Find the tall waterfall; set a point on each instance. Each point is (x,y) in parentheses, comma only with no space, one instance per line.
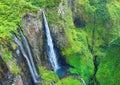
(25,42)
(30,63)
(50,48)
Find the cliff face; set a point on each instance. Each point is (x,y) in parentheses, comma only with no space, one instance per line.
(93,26)
(34,32)
(71,41)
(83,31)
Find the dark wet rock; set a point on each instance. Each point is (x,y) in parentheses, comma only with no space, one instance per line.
(34,32)
(24,77)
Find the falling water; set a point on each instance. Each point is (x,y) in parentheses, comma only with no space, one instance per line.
(25,42)
(19,43)
(51,52)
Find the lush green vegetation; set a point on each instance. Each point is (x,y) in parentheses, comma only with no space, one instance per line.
(76,52)
(44,3)
(10,16)
(102,28)
(50,77)
(108,71)
(99,36)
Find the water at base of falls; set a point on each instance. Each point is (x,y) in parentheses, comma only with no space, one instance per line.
(61,72)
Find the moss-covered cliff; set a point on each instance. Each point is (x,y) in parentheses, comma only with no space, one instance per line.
(86,32)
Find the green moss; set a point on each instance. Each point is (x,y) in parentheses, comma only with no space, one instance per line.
(102,16)
(49,77)
(108,72)
(78,55)
(44,3)
(14,69)
(113,8)
(10,61)
(52,18)
(10,15)
(76,52)
(7,55)
(69,81)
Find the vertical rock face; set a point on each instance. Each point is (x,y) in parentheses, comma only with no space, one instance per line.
(24,72)
(34,33)
(57,28)
(59,36)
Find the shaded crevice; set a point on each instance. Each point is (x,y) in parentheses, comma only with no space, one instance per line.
(95,64)
(93,79)
(77,19)
(78,22)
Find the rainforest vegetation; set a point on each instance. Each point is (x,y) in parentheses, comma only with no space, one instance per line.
(85,33)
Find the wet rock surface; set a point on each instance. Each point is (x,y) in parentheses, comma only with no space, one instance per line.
(35,34)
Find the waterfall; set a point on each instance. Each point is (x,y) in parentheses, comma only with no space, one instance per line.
(25,42)
(50,47)
(31,68)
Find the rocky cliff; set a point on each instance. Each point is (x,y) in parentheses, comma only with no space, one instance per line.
(83,32)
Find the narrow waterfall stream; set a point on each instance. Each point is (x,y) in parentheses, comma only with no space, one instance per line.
(58,63)
(25,42)
(30,63)
(50,47)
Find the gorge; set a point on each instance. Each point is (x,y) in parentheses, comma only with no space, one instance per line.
(59,42)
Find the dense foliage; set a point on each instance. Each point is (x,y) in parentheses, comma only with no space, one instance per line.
(44,3)
(109,66)
(10,16)
(97,36)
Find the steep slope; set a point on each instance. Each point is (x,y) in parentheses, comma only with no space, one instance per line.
(86,32)
(108,72)
(100,21)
